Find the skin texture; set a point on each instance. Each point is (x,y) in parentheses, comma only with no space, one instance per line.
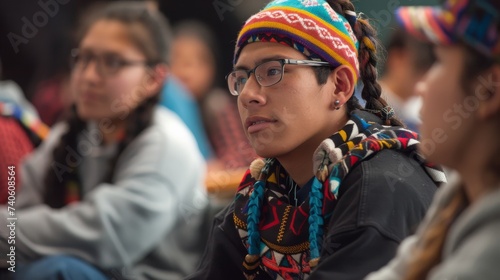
(112,97)
(460,125)
(442,92)
(298,113)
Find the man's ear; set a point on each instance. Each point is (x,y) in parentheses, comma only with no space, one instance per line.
(343,78)
(490,99)
(155,78)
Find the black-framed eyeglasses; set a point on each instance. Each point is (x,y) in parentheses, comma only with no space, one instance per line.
(267,74)
(107,64)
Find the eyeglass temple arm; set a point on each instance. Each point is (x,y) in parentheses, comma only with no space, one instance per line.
(305,62)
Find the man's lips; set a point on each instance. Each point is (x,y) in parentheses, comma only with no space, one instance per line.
(255,124)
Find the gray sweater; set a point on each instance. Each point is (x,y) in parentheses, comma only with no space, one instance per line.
(472,247)
(146,225)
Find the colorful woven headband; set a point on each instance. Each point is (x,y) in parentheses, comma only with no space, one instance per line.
(310,26)
(474,22)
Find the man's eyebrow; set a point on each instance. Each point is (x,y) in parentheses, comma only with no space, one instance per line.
(258,62)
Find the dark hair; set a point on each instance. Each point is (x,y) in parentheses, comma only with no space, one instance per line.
(368,65)
(150,32)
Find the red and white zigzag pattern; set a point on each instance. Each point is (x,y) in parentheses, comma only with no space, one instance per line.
(309,26)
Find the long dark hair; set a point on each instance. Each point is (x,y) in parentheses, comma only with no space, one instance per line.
(150,32)
(368,59)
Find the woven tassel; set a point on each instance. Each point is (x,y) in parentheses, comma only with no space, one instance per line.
(313,263)
(256,168)
(259,170)
(250,265)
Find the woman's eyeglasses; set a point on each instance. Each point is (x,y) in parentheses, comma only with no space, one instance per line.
(267,74)
(107,64)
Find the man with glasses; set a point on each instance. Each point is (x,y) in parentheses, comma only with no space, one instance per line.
(339,185)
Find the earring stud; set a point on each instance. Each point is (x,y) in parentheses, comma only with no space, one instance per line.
(336,103)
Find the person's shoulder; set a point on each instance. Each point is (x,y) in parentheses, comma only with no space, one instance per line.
(482,218)
(169,131)
(391,192)
(472,249)
(166,149)
(167,119)
(168,127)
(396,172)
(222,214)
(167,137)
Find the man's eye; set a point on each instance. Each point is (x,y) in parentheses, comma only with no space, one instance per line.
(273,71)
(240,77)
(241,80)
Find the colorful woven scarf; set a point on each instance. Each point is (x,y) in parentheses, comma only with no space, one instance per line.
(285,240)
(310,26)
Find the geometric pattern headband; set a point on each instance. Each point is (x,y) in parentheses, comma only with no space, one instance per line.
(473,22)
(311,26)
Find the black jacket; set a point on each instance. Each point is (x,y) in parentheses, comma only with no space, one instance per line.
(381,201)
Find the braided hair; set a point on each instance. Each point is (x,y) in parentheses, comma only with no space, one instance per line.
(367,56)
(150,32)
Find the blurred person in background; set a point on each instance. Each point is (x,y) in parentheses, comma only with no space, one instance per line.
(458,238)
(407,61)
(21,130)
(117,189)
(194,59)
